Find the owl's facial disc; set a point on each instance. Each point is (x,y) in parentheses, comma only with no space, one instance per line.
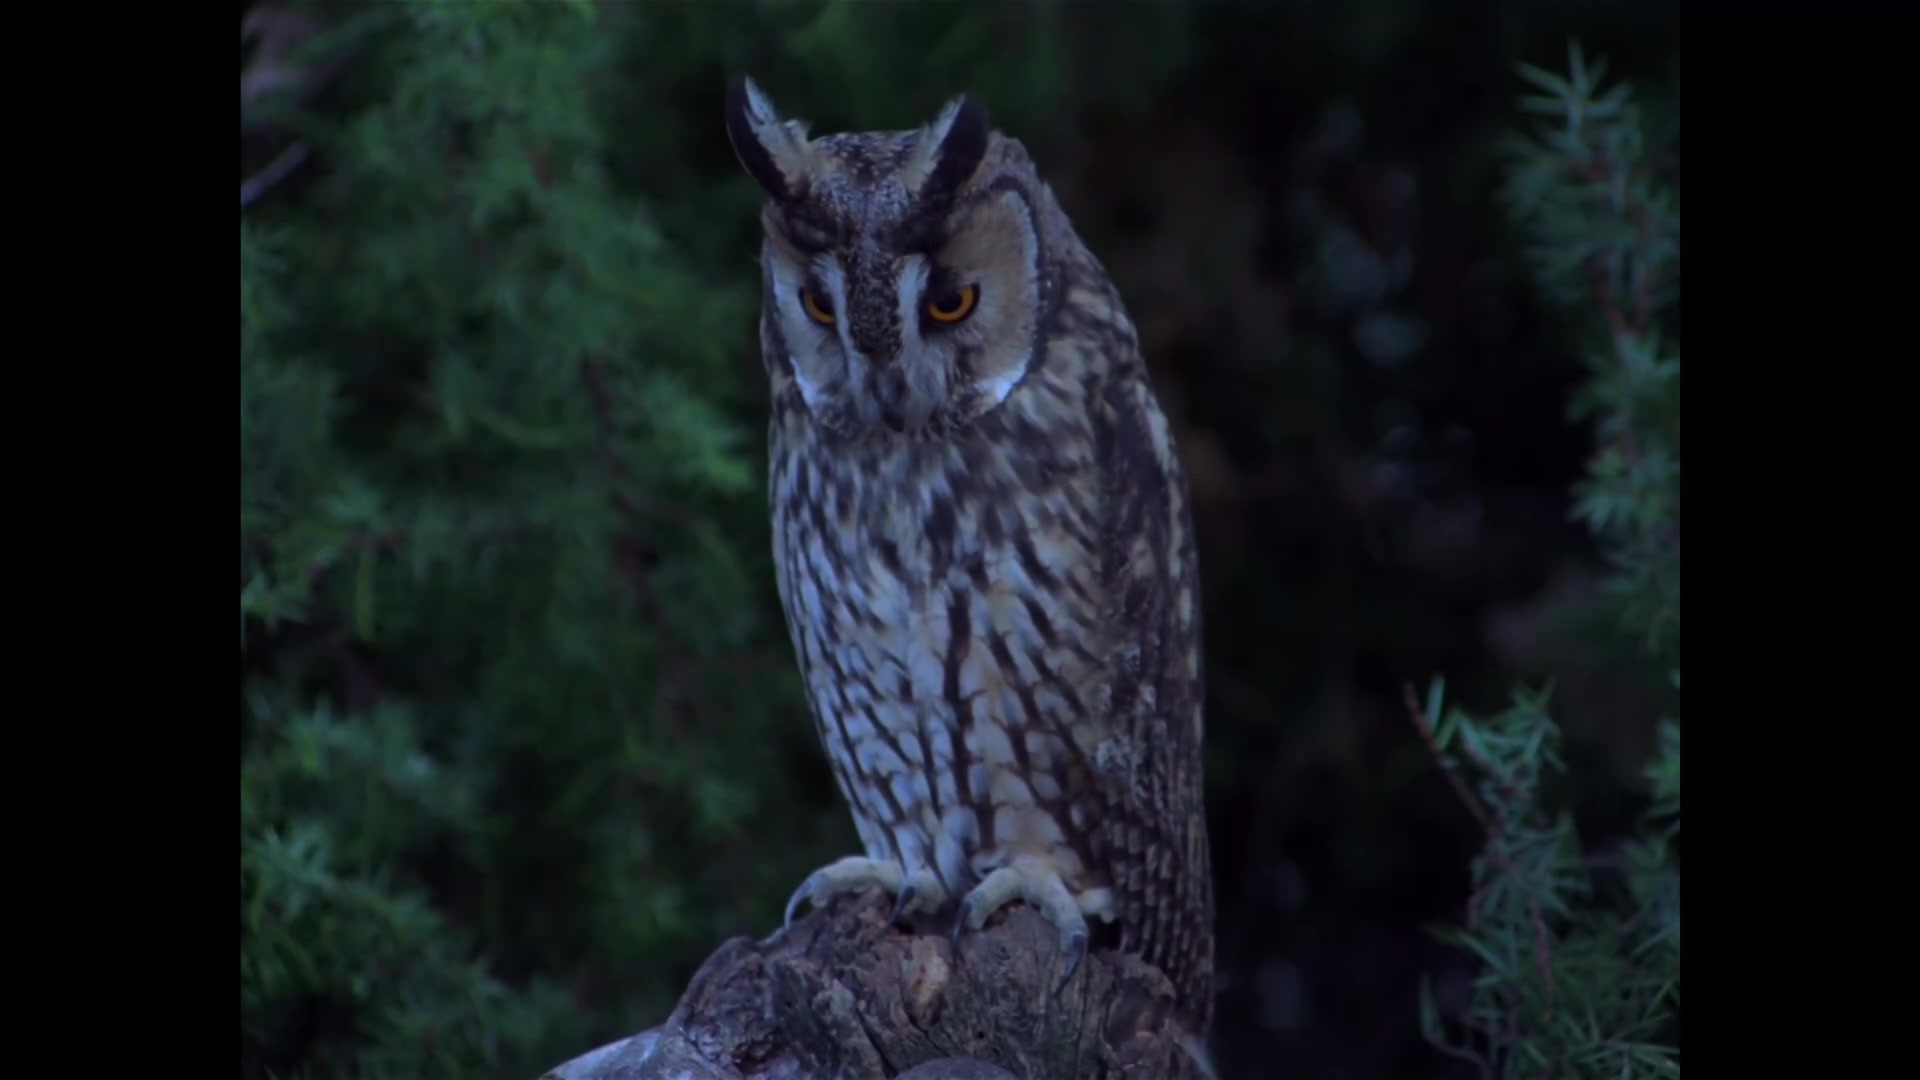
(854,315)
(904,267)
(934,335)
(993,244)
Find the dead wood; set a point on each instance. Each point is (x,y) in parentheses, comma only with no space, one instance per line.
(843,996)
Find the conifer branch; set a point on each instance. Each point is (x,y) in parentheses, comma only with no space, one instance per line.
(281,167)
(1497,842)
(1603,241)
(629,554)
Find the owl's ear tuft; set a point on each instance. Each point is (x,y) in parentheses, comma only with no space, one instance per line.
(775,153)
(950,150)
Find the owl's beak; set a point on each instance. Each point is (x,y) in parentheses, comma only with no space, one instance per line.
(900,405)
(892,394)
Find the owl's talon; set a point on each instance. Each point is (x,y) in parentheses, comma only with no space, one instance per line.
(1075,945)
(1036,882)
(793,902)
(907,896)
(851,874)
(960,921)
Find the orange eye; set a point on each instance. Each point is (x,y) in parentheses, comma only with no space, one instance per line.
(951,307)
(816,311)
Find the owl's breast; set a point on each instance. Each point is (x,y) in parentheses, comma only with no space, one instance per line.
(966,598)
(945,632)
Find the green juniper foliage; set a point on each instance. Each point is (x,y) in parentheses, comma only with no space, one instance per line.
(484,465)
(1580,957)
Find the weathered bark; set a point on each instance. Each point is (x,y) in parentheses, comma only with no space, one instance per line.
(843,996)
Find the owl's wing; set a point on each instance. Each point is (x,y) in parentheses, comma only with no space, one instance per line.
(1149,768)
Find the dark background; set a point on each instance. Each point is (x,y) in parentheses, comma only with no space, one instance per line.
(566,756)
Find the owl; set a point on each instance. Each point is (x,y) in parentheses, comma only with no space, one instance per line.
(982,542)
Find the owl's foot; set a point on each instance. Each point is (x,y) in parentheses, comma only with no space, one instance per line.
(918,891)
(1036,882)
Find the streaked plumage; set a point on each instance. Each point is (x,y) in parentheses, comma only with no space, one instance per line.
(982,540)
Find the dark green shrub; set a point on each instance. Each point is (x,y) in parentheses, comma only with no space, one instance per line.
(1580,957)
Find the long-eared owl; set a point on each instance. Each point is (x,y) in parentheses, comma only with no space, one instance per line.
(982,541)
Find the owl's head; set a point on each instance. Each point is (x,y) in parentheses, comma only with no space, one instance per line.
(907,273)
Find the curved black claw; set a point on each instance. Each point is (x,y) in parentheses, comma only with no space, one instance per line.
(907,893)
(1076,952)
(793,902)
(960,923)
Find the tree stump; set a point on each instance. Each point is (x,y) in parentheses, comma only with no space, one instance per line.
(841,995)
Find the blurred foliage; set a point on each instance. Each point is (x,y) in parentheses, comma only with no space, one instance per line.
(1581,972)
(521,739)
(521,735)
